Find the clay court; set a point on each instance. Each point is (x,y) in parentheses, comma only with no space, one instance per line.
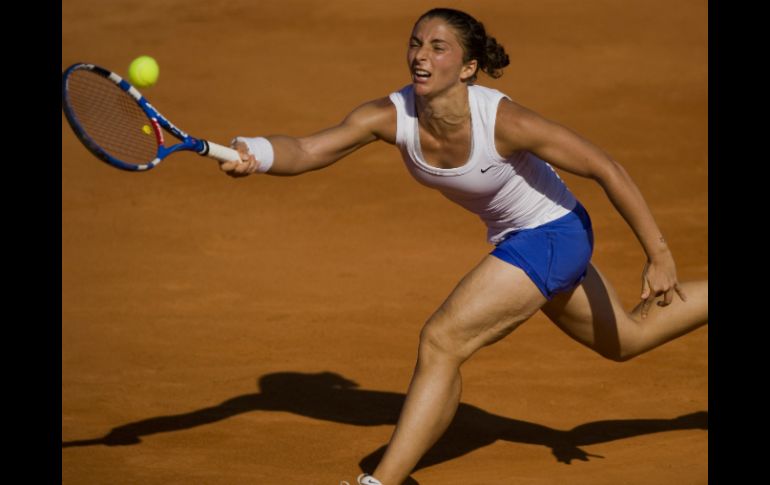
(263,330)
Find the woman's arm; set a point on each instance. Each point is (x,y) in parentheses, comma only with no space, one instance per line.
(375,120)
(521,129)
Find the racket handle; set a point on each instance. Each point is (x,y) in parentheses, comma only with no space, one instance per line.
(220,152)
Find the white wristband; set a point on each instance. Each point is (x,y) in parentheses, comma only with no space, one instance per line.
(262,150)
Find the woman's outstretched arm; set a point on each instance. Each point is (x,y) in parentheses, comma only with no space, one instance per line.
(295,155)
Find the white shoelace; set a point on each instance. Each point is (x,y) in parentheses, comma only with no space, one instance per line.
(364,479)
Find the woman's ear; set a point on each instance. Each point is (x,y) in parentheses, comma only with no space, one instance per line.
(469,70)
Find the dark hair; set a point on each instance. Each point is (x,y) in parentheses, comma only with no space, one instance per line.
(476,43)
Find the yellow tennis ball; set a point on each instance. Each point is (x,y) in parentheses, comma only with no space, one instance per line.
(143,71)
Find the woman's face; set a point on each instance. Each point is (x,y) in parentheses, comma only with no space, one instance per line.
(435,58)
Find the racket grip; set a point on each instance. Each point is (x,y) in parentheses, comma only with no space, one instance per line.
(221,153)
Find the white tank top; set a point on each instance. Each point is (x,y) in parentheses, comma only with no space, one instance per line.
(520,192)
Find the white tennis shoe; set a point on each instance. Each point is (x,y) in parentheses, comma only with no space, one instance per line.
(364,479)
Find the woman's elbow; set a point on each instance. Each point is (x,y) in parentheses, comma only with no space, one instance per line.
(609,172)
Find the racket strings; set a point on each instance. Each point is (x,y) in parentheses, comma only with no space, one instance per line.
(111,118)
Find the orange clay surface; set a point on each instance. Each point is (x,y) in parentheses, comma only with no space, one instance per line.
(264,330)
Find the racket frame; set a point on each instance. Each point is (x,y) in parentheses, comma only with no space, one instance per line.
(156,121)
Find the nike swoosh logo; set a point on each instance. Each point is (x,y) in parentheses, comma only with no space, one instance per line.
(483,170)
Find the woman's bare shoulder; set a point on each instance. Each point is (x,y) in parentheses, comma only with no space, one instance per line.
(516,125)
(377,116)
(509,111)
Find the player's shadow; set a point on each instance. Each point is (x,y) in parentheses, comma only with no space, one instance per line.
(331,397)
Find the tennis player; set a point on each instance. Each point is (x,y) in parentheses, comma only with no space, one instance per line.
(495,157)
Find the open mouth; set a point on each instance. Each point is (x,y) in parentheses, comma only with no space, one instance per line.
(420,74)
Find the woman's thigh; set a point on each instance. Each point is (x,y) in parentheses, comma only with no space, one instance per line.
(485,306)
(593,315)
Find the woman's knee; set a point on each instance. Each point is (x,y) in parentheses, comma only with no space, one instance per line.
(623,344)
(438,343)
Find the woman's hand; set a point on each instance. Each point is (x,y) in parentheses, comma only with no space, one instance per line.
(247,166)
(659,278)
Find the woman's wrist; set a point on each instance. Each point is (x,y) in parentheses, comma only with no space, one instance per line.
(262,150)
(659,250)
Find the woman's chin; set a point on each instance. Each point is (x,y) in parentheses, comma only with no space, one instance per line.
(421,89)
(431,89)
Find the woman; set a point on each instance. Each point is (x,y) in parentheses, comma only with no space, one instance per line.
(487,153)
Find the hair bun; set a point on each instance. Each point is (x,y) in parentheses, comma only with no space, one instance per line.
(496,58)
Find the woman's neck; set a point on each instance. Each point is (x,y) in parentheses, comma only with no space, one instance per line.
(444,113)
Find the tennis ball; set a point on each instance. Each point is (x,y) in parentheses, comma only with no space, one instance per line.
(143,71)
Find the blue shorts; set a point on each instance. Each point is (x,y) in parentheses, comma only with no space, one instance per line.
(554,255)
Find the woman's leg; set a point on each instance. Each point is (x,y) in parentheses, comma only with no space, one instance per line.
(487,304)
(593,315)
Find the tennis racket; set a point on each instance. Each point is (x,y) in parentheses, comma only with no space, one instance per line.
(119,126)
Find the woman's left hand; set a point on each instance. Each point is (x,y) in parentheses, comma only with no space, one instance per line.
(659,278)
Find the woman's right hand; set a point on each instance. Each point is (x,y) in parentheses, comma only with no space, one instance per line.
(246,166)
